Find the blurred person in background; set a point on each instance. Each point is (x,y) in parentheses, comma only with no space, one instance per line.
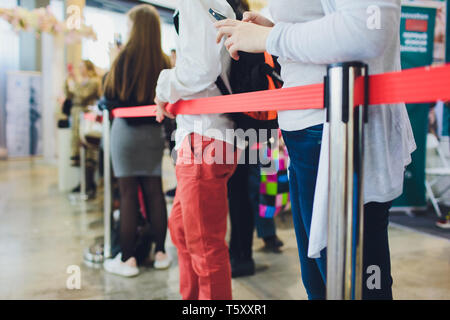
(83,91)
(137,144)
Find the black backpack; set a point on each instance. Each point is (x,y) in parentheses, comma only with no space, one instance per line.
(252,72)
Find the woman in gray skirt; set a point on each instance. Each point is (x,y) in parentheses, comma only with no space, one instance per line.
(137,144)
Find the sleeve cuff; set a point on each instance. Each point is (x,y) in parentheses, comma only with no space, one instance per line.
(163,85)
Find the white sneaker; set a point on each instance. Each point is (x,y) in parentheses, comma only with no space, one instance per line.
(118,267)
(162,264)
(445,224)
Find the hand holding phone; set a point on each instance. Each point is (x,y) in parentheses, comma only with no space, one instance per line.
(218,16)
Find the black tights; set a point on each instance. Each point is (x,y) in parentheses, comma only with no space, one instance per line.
(156,210)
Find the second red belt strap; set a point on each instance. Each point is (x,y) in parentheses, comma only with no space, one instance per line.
(419,85)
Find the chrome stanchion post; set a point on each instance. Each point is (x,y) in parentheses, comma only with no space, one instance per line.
(83,195)
(345,202)
(107,201)
(361,118)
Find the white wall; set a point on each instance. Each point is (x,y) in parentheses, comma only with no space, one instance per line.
(166,3)
(57,8)
(9,60)
(106,24)
(168,37)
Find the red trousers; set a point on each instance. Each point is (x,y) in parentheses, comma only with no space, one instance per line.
(198,221)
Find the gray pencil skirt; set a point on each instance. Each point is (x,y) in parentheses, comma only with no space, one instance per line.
(136,150)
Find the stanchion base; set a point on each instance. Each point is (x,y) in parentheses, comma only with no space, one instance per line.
(93,256)
(75,198)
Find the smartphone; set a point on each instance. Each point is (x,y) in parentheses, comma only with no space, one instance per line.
(218,16)
(118,39)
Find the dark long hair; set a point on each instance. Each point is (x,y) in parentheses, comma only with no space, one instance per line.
(136,69)
(239,7)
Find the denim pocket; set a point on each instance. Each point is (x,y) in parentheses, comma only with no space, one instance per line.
(315,130)
(304,146)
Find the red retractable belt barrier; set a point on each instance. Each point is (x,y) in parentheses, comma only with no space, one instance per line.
(92,117)
(419,85)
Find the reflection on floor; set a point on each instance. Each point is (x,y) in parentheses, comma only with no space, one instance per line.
(42,233)
(422,221)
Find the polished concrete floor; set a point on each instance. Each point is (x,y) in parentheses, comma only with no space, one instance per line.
(42,233)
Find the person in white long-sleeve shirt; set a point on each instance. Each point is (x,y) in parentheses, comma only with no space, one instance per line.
(307,35)
(198,220)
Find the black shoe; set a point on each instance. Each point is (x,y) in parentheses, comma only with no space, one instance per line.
(273,244)
(77,189)
(91,192)
(171,193)
(242,268)
(75,161)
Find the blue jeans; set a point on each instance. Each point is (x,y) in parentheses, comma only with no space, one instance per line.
(304,152)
